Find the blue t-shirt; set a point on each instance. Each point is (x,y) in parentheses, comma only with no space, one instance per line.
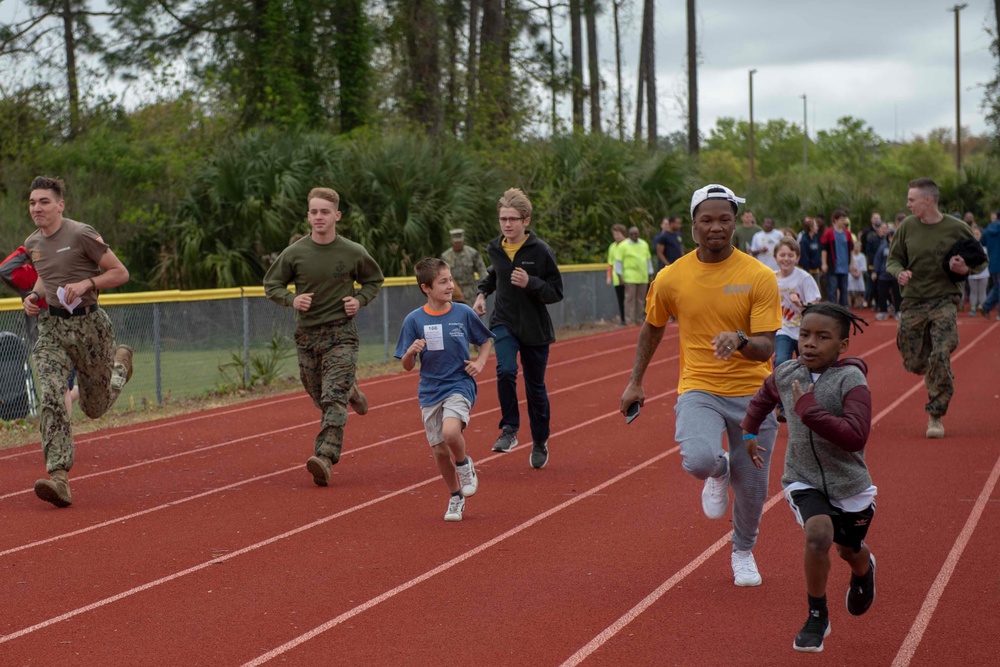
(673,246)
(843,254)
(442,362)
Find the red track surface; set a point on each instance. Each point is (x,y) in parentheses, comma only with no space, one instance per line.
(201,540)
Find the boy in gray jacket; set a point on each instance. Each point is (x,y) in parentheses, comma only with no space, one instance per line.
(826,481)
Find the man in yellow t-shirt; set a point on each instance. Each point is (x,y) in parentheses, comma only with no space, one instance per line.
(618,232)
(634,268)
(723,295)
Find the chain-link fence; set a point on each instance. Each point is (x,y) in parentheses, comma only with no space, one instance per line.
(191,344)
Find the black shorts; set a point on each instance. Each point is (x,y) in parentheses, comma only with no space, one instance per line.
(849,528)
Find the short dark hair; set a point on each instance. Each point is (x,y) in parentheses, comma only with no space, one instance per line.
(926,186)
(846,318)
(838,213)
(428,269)
(49,183)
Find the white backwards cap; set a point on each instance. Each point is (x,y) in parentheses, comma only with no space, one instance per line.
(714,191)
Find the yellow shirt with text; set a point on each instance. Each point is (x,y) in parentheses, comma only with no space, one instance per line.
(707,299)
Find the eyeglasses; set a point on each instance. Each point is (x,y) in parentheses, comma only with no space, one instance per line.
(506,220)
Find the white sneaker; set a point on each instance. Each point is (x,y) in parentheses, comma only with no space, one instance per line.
(468,478)
(715,495)
(456,505)
(745,569)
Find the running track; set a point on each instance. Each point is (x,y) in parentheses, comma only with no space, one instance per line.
(201,539)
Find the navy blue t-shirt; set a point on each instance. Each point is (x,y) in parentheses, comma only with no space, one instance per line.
(442,362)
(673,245)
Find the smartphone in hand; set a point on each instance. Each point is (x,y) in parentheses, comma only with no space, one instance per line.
(632,412)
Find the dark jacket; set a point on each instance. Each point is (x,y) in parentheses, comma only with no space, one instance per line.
(827,429)
(881,263)
(523,310)
(870,243)
(972,252)
(991,239)
(810,257)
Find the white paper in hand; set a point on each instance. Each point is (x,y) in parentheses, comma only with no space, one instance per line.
(61,293)
(434,335)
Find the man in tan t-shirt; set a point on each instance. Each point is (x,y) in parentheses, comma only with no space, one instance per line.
(73,263)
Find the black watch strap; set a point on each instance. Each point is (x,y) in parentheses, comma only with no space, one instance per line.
(744,339)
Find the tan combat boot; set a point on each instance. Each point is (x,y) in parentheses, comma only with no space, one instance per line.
(319,468)
(55,490)
(123,356)
(357,400)
(935,429)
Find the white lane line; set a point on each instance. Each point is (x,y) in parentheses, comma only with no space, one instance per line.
(923,619)
(83,439)
(457,560)
(469,554)
(659,592)
(32,450)
(608,633)
(412,399)
(319,522)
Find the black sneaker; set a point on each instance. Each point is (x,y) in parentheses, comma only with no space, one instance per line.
(539,454)
(810,637)
(781,415)
(861,594)
(507,441)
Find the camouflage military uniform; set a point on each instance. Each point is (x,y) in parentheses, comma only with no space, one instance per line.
(928,323)
(86,343)
(464,267)
(926,337)
(328,355)
(326,338)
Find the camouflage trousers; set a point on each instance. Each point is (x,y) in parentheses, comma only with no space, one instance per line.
(328,357)
(927,335)
(87,344)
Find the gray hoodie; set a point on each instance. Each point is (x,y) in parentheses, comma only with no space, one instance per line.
(827,429)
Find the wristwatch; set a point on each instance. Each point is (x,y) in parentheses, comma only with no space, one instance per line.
(744,339)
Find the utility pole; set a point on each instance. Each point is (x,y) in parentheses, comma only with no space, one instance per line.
(692,57)
(958,95)
(752,72)
(805,134)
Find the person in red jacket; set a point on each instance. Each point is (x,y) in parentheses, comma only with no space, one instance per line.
(837,245)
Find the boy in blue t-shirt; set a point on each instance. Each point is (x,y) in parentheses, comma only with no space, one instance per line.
(440,333)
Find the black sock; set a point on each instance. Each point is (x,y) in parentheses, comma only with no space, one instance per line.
(818,604)
(458,494)
(462,463)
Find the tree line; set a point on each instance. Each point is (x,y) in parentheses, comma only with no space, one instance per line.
(420,112)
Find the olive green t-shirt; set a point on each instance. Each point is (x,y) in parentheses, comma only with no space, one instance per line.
(70,255)
(327,271)
(921,248)
(743,236)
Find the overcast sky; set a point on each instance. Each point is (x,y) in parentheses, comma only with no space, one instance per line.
(889,62)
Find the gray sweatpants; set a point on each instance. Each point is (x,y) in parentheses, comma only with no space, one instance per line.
(702,420)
